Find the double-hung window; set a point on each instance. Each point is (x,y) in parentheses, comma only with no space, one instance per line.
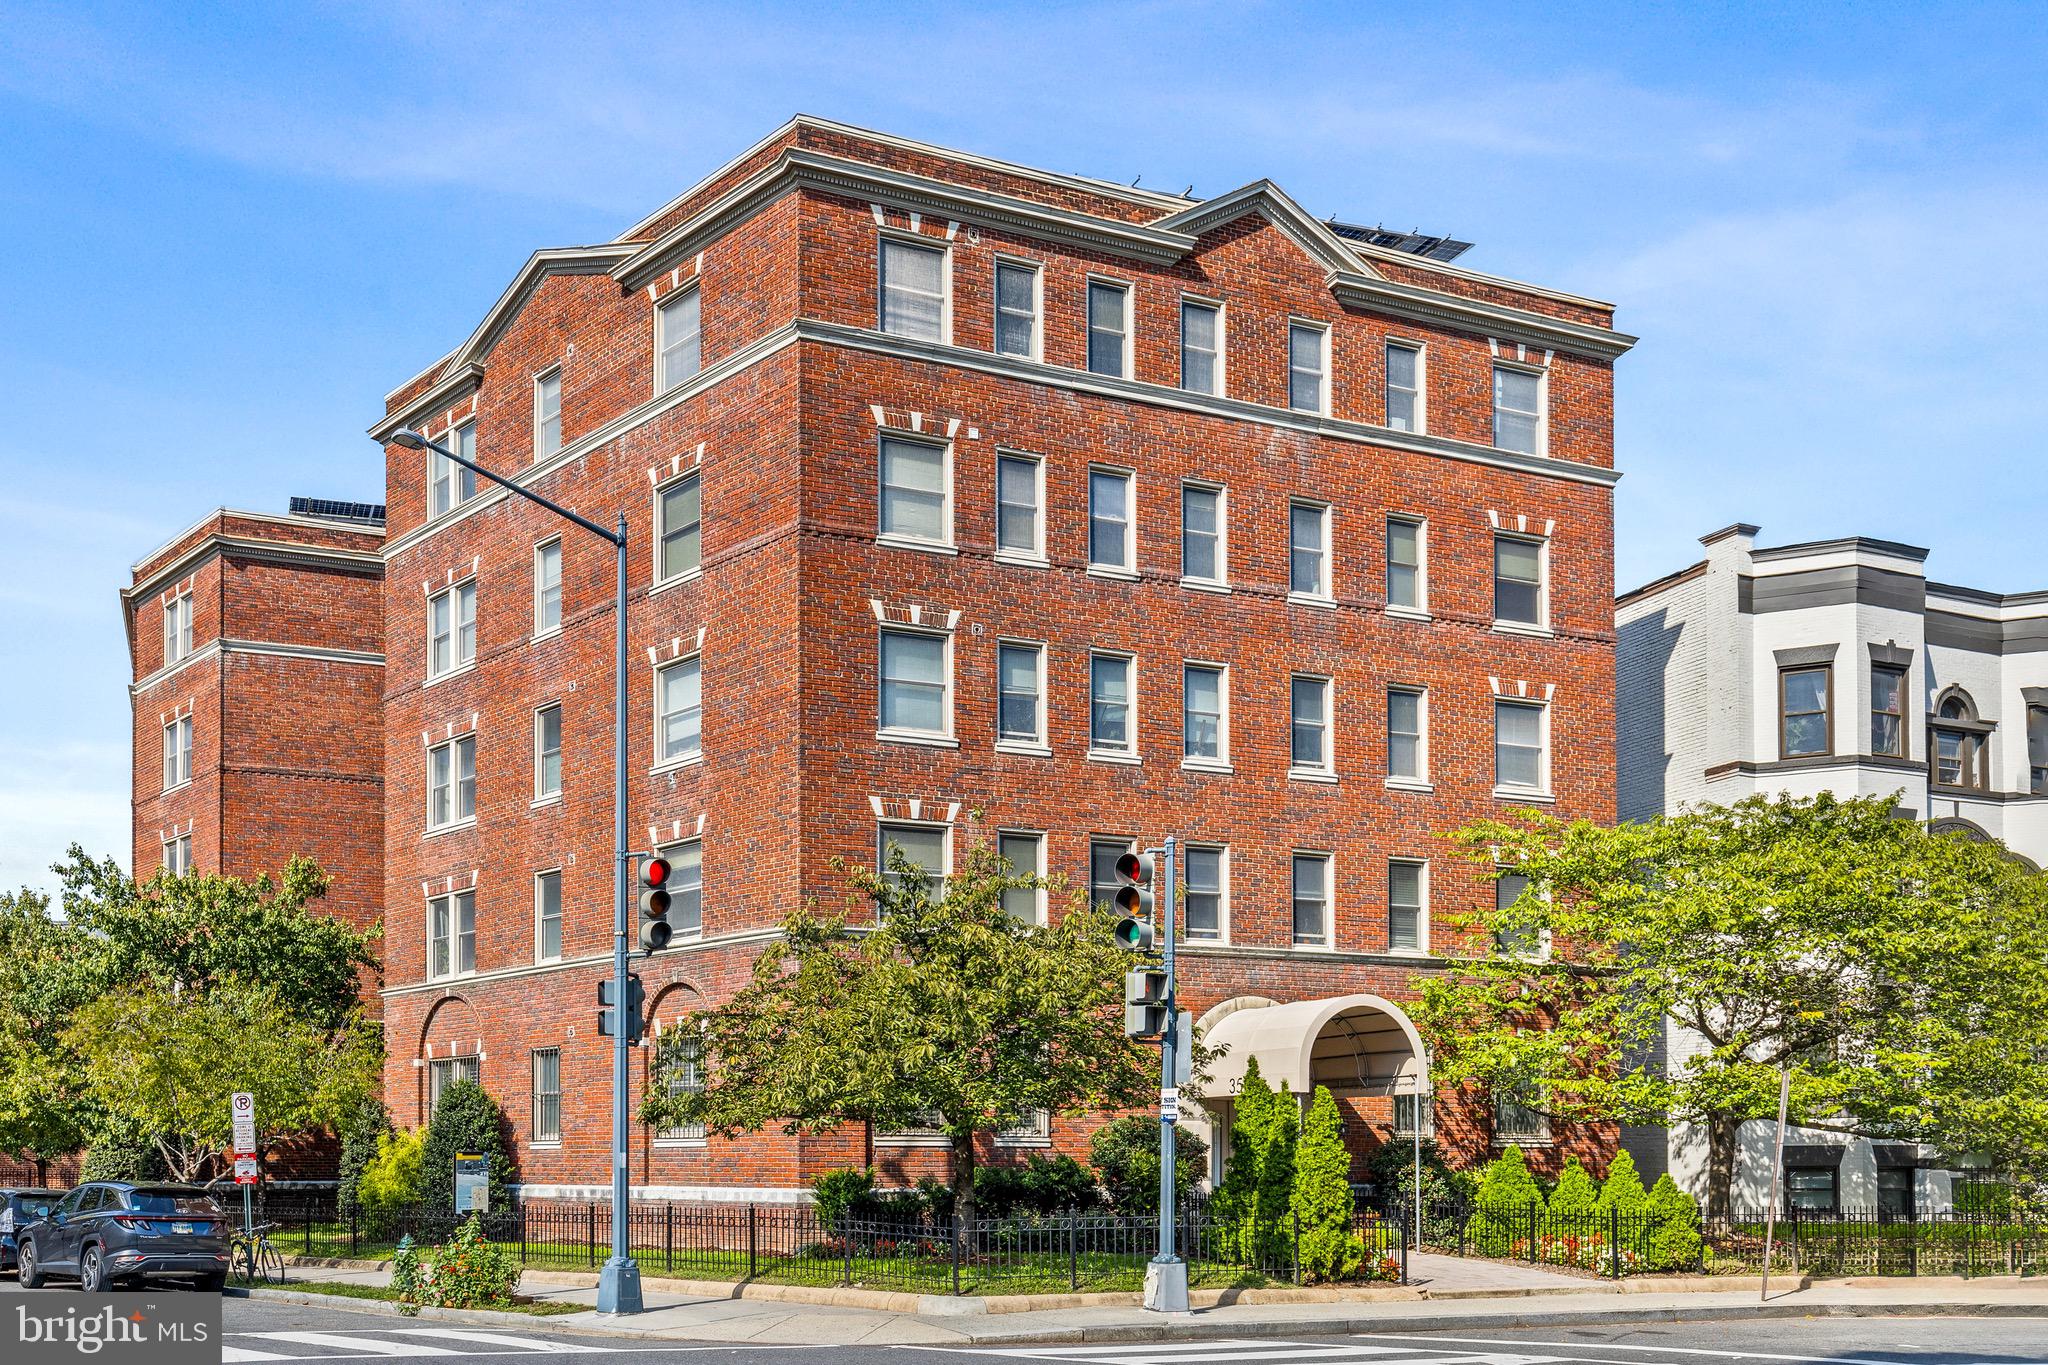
(547,587)
(1024,854)
(1518,595)
(178,752)
(1102,879)
(451,934)
(1109,328)
(1518,1116)
(1112,727)
(1017,309)
(443,1072)
(1888,711)
(177,628)
(547,414)
(1201,346)
(451,782)
(1520,763)
(1407,590)
(178,855)
(1404,387)
(686,887)
(679,711)
(1513,934)
(1311,892)
(1111,538)
(915,684)
(1803,696)
(921,846)
(1407,889)
(1204,715)
(679,508)
(913,289)
(449,485)
(1204,912)
(2037,750)
(1308,721)
(1407,743)
(1308,550)
(1020,500)
(451,629)
(1517,410)
(678,339)
(1202,548)
(916,501)
(1020,693)
(547,916)
(1307,366)
(547,1094)
(684,1075)
(547,752)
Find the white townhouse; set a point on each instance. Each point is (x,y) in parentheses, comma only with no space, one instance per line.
(1836,666)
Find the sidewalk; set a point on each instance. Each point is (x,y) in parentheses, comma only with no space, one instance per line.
(724,1317)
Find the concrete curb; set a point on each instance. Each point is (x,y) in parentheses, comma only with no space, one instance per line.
(388,1308)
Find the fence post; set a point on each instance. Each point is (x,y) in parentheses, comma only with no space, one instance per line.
(1614,1236)
(307,1219)
(753,1240)
(1404,1252)
(590,1233)
(1532,1232)
(956,1254)
(353,1246)
(1074,1247)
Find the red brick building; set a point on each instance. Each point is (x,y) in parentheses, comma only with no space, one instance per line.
(973,501)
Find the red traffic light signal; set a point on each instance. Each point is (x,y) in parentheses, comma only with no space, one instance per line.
(654,872)
(654,902)
(1134,900)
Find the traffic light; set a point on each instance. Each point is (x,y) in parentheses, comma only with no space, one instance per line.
(636,1004)
(1137,876)
(1145,1003)
(654,902)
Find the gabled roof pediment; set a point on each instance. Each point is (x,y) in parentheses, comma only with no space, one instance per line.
(563,260)
(1272,203)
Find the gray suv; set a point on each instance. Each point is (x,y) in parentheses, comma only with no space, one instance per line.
(110,1231)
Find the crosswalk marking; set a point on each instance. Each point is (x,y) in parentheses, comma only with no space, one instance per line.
(241,1355)
(1655,1349)
(1234,1351)
(363,1345)
(500,1339)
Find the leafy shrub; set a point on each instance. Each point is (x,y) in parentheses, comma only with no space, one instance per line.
(472,1272)
(123,1150)
(391,1178)
(1576,1197)
(1272,1233)
(1623,1189)
(408,1277)
(1674,1241)
(1042,1185)
(1320,1202)
(1506,1194)
(467,1121)
(1236,1200)
(1391,1170)
(360,1135)
(838,1195)
(1983,1198)
(1125,1154)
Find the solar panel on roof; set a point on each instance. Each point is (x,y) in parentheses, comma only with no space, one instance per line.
(328,509)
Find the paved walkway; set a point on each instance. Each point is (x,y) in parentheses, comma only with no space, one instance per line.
(1439,1274)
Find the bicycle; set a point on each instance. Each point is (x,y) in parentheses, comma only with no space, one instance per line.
(252,1259)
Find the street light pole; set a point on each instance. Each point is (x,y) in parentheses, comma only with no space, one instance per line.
(618,1284)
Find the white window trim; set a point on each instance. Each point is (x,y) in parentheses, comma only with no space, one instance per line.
(1421,349)
(945,871)
(1036,557)
(1328,771)
(1222,348)
(669,851)
(1322,408)
(540,377)
(945,739)
(896,539)
(1328,939)
(1220,763)
(181,738)
(1542,374)
(1221,583)
(664,765)
(460,665)
(554,797)
(178,634)
(1130,333)
(1421,611)
(1422,916)
(1328,597)
(659,525)
(1037,269)
(184,861)
(1222,939)
(674,298)
(455,971)
(1038,894)
(1128,570)
(555,872)
(1424,782)
(455,785)
(1039,746)
(1130,755)
(1040,1122)
(561,604)
(1541,627)
(1541,793)
(945,253)
(540,1144)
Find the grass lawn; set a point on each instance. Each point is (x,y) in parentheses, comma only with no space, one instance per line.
(389,1295)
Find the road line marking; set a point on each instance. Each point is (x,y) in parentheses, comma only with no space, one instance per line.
(1666,1350)
(499,1339)
(365,1345)
(238,1355)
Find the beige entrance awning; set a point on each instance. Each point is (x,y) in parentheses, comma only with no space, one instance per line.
(1354,1044)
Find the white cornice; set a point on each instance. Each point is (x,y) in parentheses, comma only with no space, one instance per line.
(445,394)
(1441,309)
(561,260)
(1268,199)
(268,551)
(317,653)
(267,518)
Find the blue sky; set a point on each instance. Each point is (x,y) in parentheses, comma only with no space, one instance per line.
(226,231)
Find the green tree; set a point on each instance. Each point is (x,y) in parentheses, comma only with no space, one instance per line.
(1272,1228)
(361,1131)
(121,1149)
(1320,1202)
(1899,975)
(1237,1195)
(466,1122)
(168,1063)
(1674,1242)
(1125,1155)
(42,1114)
(925,1005)
(391,1179)
(1507,1195)
(1576,1196)
(1623,1190)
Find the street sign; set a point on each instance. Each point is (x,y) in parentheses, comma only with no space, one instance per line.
(1169,1105)
(242,1108)
(245,1170)
(472,1183)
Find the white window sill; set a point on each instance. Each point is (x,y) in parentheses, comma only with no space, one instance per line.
(671,765)
(1534,632)
(550,1145)
(1407,952)
(1412,784)
(1312,775)
(1320,946)
(1307,599)
(552,799)
(1410,613)
(540,961)
(1112,756)
(1111,571)
(679,1144)
(884,1140)
(1023,746)
(1205,585)
(1523,794)
(1522,1140)
(1021,560)
(920,740)
(1204,941)
(176,787)
(930,547)
(1011,1142)
(678,581)
(550,633)
(452,827)
(1206,765)
(454,672)
(455,976)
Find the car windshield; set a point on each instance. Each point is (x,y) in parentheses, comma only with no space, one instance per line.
(168,1203)
(33,1203)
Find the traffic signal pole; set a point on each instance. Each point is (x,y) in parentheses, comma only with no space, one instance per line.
(1166,1278)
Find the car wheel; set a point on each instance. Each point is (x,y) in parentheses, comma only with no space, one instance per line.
(214,1283)
(92,1271)
(31,1267)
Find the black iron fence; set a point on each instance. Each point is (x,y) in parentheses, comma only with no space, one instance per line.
(1079,1249)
